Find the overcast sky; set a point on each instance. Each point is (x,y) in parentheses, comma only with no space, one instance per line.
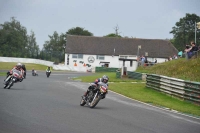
(151,19)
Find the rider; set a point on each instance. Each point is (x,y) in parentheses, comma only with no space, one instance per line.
(103,79)
(33,72)
(19,68)
(48,69)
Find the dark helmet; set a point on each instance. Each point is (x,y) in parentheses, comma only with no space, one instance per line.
(105,79)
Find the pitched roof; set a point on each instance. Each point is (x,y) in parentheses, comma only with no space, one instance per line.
(123,46)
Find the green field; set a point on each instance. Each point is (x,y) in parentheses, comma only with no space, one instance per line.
(180,68)
(29,66)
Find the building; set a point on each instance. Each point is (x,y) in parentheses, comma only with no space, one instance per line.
(87,52)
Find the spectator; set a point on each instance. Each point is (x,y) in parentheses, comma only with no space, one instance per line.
(170,58)
(155,61)
(175,57)
(187,47)
(180,54)
(142,60)
(192,50)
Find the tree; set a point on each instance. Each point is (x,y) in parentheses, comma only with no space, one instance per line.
(184,31)
(53,49)
(32,48)
(116,34)
(112,35)
(13,39)
(79,31)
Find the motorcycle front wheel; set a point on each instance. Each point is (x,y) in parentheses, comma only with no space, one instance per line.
(10,84)
(95,101)
(82,102)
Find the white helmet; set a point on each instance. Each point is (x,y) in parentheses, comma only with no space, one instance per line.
(19,65)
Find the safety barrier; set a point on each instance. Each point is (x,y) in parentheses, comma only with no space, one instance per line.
(186,90)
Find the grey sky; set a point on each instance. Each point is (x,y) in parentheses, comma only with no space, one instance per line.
(152,19)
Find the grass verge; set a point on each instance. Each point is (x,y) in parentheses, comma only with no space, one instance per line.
(180,68)
(29,66)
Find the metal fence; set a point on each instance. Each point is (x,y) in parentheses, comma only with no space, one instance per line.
(186,90)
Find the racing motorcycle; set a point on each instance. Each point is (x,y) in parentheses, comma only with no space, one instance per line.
(11,79)
(94,95)
(48,72)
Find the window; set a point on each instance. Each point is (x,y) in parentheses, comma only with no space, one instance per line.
(77,56)
(100,57)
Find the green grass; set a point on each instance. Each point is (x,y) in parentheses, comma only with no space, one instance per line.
(139,92)
(29,66)
(111,75)
(180,68)
(2,74)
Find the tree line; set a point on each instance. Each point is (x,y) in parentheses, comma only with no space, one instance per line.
(16,42)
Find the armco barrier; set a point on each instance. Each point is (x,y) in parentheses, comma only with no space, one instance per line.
(186,90)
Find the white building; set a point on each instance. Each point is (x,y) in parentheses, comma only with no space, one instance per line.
(87,52)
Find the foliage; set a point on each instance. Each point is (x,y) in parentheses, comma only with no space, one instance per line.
(112,35)
(33,48)
(184,31)
(79,31)
(53,49)
(14,40)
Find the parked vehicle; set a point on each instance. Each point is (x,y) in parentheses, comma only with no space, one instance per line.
(94,95)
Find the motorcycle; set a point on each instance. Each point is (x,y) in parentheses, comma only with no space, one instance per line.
(48,72)
(11,79)
(34,73)
(94,95)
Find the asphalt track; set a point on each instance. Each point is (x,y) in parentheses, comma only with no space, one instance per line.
(51,105)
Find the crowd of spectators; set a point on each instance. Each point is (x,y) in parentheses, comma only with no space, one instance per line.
(189,52)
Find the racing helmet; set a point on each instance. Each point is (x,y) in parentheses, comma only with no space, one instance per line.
(105,78)
(19,65)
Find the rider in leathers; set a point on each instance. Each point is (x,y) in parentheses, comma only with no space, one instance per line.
(93,86)
(48,69)
(19,68)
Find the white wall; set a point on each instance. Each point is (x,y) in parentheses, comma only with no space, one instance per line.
(35,61)
(26,60)
(114,62)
